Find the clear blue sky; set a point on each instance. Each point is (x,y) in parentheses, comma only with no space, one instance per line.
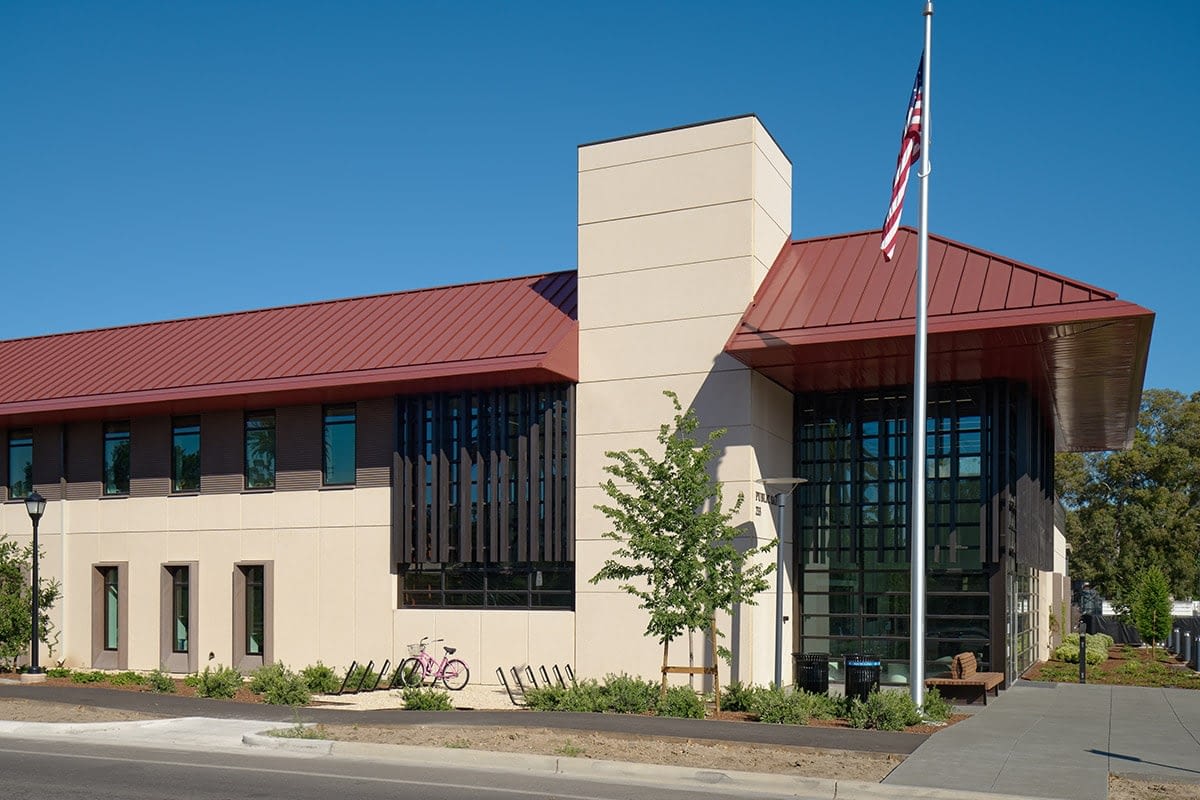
(160,160)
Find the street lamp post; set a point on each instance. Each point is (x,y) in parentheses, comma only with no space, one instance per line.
(782,490)
(35,504)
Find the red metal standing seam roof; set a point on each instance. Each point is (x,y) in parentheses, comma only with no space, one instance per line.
(503,332)
(832,314)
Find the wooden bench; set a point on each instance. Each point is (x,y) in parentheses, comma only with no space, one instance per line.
(964,671)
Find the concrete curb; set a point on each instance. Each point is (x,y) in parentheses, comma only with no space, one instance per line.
(724,781)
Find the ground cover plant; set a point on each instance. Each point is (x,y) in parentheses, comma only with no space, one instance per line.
(279,686)
(1121,666)
(419,699)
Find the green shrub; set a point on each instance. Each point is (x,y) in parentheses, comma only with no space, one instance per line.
(279,686)
(265,676)
(936,707)
(126,678)
(222,682)
(885,711)
(160,682)
(681,701)
(1097,648)
(192,680)
(629,695)
(321,679)
(58,672)
(419,699)
(547,698)
(738,697)
(775,705)
(84,676)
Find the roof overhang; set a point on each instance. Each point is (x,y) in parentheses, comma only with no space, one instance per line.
(1085,360)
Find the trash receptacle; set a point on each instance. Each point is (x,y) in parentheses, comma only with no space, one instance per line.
(812,672)
(862,676)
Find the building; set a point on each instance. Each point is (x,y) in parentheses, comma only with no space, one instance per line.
(333,481)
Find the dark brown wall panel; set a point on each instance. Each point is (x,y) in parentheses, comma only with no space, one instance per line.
(150,456)
(298,447)
(484,477)
(221,452)
(374,442)
(47,461)
(85,456)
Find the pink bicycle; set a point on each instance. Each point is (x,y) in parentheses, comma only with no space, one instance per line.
(421,667)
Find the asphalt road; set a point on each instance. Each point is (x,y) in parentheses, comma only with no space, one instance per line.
(33,770)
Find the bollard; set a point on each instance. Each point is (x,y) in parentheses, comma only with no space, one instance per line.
(1083,657)
(1174,644)
(1187,646)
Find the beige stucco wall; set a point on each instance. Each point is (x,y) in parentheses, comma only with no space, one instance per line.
(676,231)
(1053,584)
(333,594)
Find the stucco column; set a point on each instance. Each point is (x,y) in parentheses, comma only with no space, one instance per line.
(677,229)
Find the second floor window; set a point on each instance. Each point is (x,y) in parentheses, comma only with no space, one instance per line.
(20,463)
(260,450)
(116,458)
(337,450)
(185,454)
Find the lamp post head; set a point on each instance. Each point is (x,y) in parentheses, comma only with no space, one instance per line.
(35,504)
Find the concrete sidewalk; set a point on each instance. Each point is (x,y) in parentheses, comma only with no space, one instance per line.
(1063,740)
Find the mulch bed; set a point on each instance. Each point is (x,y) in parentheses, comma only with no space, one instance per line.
(1125,666)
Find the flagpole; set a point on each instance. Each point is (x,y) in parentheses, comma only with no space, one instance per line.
(917,580)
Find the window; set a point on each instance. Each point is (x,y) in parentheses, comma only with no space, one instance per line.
(260,450)
(112,607)
(338,447)
(252,615)
(541,585)
(185,454)
(20,463)
(179,609)
(255,608)
(116,457)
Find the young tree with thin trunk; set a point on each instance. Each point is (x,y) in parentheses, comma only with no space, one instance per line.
(675,544)
(1150,607)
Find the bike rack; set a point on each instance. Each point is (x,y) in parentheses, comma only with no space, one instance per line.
(571,674)
(346,679)
(558,676)
(517,677)
(507,687)
(363,679)
(545,675)
(382,671)
(532,679)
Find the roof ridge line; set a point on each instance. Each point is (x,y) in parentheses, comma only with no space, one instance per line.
(307,304)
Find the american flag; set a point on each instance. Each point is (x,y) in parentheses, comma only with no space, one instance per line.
(910,152)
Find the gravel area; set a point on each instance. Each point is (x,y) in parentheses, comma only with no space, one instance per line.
(472,696)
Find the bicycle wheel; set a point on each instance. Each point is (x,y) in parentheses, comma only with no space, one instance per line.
(455,674)
(411,673)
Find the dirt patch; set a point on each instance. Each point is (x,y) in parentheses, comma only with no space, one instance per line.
(1127,789)
(799,761)
(19,710)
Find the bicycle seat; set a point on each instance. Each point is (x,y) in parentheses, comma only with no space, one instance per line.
(449,650)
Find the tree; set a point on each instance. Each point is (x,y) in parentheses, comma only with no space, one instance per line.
(676,548)
(16,602)
(1150,606)
(1139,508)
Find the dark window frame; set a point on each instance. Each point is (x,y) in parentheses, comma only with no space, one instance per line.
(20,439)
(182,427)
(115,432)
(333,418)
(255,422)
(488,586)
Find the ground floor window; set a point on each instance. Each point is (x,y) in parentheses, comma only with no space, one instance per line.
(178,629)
(112,587)
(252,615)
(110,616)
(535,586)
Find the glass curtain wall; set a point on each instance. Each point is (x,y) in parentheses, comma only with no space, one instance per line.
(852,522)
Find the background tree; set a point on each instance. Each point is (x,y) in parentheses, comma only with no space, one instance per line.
(16,602)
(1150,607)
(1139,508)
(676,550)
